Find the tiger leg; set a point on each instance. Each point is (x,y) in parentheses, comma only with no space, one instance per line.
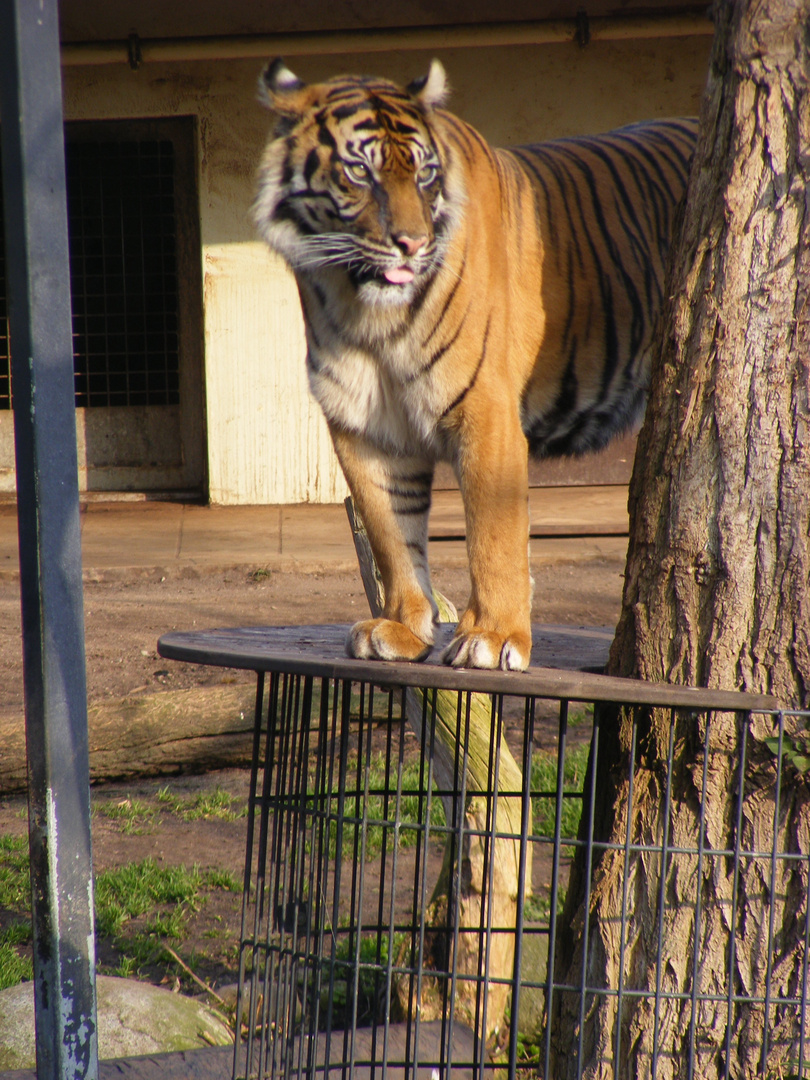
(495,630)
(392,496)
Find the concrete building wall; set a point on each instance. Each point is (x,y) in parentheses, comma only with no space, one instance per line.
(266,441)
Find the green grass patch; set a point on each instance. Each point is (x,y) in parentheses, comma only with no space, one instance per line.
(544,778)
(135,817)
(13,967)
(375,813)
(15,896)
(579,715)
(139,907)
(371,971)
(204,806)
(128,892)
(15,885)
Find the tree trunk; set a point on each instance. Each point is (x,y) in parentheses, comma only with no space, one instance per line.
(717,594)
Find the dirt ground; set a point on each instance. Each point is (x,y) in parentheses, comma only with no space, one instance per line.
(124,617)
(140,820)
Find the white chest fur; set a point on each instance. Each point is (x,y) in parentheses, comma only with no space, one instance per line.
(379,393)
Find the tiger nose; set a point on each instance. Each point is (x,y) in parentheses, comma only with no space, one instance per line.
(410,245)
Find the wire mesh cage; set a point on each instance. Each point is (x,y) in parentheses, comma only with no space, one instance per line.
(408,889)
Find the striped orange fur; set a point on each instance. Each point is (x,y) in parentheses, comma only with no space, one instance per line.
(463,304)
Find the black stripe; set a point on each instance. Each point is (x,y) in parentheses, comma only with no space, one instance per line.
(638,320)
(448,302)
(661,133)
(402,492)
(343,112)
(288,211)
(311,165)
(466,139)
(436,357)
(348,88)
(423,478)
(286,172)
(576,230)
(320,297)
(326,373)
(412,511)
(401,128)
(325,137)
(569,337)
(458,400)
(310,328)
(532,157)
(638,241)
(469,133)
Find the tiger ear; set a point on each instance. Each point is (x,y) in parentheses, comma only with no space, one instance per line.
(431,90)
(281,91)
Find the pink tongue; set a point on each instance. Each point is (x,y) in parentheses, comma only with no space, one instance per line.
(400,275)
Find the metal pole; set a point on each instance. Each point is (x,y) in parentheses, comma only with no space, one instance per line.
(50,554)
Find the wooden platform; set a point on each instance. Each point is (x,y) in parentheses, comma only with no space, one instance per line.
(209,1064)
(319,651)
(217,1063)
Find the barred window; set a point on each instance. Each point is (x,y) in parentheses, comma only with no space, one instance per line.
(122,227)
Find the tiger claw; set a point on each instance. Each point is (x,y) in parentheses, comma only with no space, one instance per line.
(384,639)
(487,650)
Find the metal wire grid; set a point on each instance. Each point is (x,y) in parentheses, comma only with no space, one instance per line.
(123,262)
(5,349)
(342,856)
(123,274)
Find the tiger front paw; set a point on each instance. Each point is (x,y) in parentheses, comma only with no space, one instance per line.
(384,639)
(488,649)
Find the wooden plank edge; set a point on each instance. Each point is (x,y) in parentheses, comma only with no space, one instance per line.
(539,682)
(209,1063)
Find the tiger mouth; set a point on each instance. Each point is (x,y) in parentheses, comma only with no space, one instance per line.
(391,276)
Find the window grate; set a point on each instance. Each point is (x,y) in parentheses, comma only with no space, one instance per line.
(123,274)
(5,353)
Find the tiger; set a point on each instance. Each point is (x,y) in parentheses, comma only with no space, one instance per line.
(462,304)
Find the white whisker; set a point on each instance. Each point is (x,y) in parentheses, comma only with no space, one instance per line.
(333,249)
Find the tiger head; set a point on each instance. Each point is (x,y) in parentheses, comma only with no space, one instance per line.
(353,183)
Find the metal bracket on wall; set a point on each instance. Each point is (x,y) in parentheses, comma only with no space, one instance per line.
(134,54)
(583,31)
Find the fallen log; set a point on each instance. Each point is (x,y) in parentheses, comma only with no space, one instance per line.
(174,731)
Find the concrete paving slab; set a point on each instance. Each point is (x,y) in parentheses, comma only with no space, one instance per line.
(595,510)
(311,534)
(576,548)
(182,538)
(228,535)
(117,535)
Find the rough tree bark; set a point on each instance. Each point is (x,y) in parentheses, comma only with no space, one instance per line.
(717,589)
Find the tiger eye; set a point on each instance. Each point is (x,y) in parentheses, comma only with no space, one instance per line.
(356,170)
(428,175)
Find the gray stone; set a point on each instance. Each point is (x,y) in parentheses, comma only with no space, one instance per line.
(133,1018)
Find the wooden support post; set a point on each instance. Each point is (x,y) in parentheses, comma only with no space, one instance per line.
(482,877)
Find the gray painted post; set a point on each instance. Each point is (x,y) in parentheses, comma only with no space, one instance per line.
(50,553)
